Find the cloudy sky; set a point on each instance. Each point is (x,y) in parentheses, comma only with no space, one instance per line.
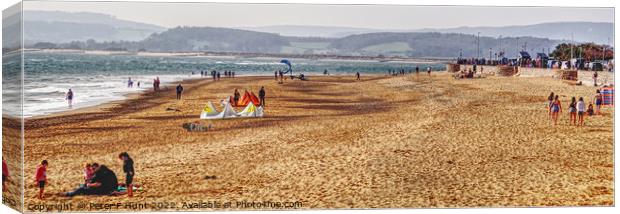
(363,16)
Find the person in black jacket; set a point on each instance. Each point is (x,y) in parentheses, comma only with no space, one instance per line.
(261,96)
(104,182)
(179,91)
(129,172)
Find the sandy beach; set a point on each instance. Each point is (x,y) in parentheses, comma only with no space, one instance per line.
(409,141)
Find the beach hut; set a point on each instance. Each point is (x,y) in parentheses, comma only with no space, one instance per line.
(506,71)
(566,74)
(608,96)
(453,67)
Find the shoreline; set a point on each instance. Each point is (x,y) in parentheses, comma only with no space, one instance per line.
(139,100)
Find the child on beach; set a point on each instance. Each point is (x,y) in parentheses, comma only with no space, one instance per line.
(41,178)
(89,172)
(549,101)
(581,110)
(129,172)
(556,109)
(572,109)
(590,110)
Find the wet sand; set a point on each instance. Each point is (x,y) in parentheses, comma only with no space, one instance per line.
(333,142)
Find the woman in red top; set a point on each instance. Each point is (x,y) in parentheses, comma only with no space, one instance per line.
(41,177)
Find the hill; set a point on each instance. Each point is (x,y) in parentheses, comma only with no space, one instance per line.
(60,27)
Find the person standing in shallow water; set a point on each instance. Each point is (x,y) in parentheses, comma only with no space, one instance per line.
(179,91)
(69,98)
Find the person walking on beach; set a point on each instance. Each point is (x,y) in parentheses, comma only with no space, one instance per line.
(214,75)
(417,70)
(261,96)
(549,102)
(218,76)
(69,98)
(275,75)
(581,110)
(595,77)
(40,178)
(179,91)
(233,74)
(556,109)
(598,101)
(428,70)
(358,75)
(281,77)
(129,172)
(572,110)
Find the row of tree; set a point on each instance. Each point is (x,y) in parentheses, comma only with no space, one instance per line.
(587,51)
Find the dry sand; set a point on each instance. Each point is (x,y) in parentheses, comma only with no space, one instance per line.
(333,142)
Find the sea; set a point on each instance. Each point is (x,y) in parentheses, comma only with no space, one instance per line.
(99,78)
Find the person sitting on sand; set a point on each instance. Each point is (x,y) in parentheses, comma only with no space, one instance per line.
(104,182)
(129,172)
(89,172)
(581,110)
(69,98)
(590,110)
(572,110)
(556,109)
(41,178)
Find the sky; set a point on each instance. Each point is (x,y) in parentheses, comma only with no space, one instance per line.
(362,16)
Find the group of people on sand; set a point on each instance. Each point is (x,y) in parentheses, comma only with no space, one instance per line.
(216,75)
(394,72)
(98,179)
(577,108)
(261,96)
